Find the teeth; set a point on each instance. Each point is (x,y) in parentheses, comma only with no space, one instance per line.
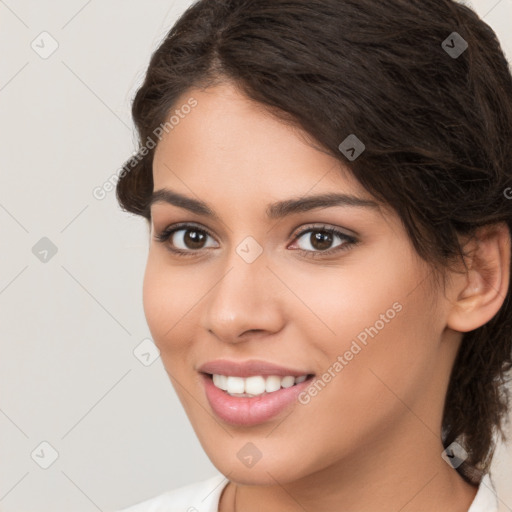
(272,383)
(235,385)
(220,381)
(255,385)
(287,382)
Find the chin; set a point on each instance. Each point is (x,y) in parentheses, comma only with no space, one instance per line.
(235,463)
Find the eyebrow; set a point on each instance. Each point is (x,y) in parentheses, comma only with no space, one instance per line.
(276,210)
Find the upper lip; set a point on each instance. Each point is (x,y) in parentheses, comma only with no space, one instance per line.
(249,368)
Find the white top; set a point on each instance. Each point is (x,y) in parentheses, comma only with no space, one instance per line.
(204,496)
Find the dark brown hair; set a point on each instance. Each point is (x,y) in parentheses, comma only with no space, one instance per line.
(437,130)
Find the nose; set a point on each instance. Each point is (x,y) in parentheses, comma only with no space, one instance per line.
(243,302)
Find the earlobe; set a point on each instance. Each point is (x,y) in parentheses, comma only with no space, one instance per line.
(485,285)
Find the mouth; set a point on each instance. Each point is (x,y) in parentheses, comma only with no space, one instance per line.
(252,400)
(255,385)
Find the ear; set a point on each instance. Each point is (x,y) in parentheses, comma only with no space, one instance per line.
(481,291)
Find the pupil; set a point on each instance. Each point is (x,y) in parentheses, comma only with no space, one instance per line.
(194,239)
(321,240)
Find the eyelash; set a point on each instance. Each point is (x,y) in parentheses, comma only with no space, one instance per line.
(349,241)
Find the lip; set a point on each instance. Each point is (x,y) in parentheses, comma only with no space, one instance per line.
(246,411)
(249,368)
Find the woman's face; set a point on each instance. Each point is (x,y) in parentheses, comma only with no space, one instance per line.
(354,307)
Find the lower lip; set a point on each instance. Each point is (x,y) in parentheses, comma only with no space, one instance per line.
(246,411)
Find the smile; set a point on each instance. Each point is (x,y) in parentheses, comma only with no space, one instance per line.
(255,385)
(251,409)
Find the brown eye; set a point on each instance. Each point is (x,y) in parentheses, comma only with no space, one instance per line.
(321,240)
(185,239)
(192,238)
(189,239)
(317,241)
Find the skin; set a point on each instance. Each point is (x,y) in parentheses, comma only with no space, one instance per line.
(370,440)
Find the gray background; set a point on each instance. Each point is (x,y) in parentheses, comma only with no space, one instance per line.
(71,321)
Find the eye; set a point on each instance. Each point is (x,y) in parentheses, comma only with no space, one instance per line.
(320,241)
(184,239)
(187,240)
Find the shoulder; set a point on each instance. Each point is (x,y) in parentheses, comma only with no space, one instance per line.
(201,496)
(485,498)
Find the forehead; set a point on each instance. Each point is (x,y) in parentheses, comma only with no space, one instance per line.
(227,140)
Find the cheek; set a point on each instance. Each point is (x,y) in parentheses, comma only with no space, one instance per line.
(166,300)
(378,321)
(153,299)
(383,366)
(341,304)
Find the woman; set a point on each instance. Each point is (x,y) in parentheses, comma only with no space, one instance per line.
(325,183)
